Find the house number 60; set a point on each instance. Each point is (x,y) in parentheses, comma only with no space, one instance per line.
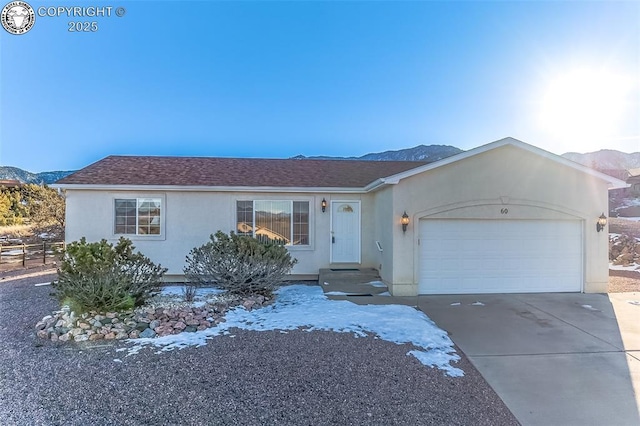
(504,211)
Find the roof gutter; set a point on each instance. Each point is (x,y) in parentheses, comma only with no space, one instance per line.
(189,188)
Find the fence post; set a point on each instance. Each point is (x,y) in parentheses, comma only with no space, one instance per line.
(44,252)
(24,255)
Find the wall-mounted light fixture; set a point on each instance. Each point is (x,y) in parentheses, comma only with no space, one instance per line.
(404,221)
(602,222)
(323,204)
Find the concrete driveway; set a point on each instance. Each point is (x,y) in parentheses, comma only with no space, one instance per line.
(554,359)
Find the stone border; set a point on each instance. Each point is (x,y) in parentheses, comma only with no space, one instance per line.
(159,318)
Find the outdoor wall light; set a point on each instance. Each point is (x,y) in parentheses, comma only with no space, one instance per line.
(324,205)
(404,221)
(602,222)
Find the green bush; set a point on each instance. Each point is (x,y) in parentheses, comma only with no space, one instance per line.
(239,264)
(102,277)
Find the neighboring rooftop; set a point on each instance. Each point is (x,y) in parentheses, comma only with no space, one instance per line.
(10,183)
(240,172)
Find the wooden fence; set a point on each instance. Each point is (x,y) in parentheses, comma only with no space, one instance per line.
(25,255)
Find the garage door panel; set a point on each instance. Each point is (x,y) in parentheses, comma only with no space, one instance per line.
(499,256)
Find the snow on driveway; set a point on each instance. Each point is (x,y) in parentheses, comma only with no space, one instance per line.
(306,307)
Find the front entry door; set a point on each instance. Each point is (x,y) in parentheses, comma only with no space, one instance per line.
(345,232)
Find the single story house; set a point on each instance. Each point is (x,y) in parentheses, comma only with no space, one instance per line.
(634,182)
(504,217)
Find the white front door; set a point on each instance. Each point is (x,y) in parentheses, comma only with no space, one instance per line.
(345,232)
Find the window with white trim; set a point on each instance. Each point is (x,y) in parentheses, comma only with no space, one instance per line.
(282,222)
(137,216)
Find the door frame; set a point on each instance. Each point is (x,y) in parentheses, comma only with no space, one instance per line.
(358,202)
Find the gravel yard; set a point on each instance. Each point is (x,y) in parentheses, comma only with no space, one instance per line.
(247,378)
(623,281)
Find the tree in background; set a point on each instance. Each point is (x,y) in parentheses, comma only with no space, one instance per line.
(45,206)
(12,206)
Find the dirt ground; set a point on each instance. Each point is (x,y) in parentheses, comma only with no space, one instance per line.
(618,225)
(623,281)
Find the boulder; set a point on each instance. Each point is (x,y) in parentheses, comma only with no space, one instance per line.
(147,333)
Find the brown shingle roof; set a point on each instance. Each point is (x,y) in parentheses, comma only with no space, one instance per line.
(242,172)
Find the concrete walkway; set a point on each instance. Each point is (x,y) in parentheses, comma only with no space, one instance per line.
(554,359)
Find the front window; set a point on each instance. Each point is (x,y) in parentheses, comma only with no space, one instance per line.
(279,222)
(137,216)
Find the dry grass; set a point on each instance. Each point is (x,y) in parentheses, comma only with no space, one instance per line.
(16,231)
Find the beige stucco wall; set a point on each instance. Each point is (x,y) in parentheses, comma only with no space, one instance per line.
(383,232)
(479,187)
(190,217)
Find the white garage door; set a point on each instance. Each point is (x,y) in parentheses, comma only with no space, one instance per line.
(500,256)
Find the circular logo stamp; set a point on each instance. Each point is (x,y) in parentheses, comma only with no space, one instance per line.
(18,17)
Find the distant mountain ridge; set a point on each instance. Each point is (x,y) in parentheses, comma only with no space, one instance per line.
(427,153)
(606,159)
(15,173)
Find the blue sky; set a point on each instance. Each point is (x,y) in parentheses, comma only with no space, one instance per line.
(277,79)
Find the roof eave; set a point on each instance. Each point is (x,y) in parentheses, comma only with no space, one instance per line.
(204,188)
(613,182)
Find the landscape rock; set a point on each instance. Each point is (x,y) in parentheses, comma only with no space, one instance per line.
(146,322)
(624,250)
(148,333)
(164,330)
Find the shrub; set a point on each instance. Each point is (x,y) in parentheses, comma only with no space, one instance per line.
(239,264)
(102,277)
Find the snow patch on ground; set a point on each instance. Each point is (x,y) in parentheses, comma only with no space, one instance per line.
(590,308)
(306,307)
(477,304)
(384,293)
(456,304)
(15,252)
(42,284)
(378,284)
(623,268)
(628,202)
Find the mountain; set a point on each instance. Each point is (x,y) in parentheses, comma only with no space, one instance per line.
(428,153)
(606,159)
(14,173)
